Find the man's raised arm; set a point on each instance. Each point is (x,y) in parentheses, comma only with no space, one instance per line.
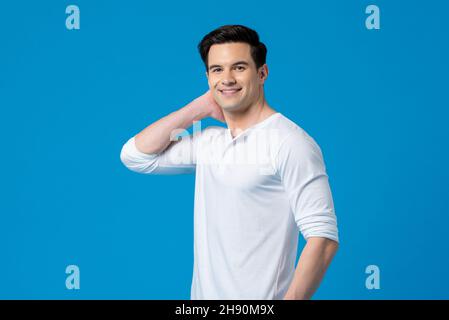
(145,152)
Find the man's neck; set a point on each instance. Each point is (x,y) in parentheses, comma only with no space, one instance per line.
(239,121)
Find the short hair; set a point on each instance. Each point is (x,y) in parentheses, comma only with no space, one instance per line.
(234,33)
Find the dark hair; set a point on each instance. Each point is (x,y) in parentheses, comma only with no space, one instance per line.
(234,33)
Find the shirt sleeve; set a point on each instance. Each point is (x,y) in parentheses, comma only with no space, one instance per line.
(302,170)
(178,158)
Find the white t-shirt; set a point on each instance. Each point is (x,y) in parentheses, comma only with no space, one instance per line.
(253,193)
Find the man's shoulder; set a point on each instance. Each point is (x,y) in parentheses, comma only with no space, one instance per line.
(289,130)
(213,131)
(210,133)
(294,136)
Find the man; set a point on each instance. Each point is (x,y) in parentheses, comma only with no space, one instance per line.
(258,182)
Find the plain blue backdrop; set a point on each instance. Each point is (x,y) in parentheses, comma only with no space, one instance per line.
(374,100)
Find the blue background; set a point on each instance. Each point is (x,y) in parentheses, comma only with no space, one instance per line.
(375,101)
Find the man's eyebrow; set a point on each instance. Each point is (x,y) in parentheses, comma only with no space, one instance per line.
(234,64)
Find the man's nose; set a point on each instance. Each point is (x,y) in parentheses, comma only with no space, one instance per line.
(228,78)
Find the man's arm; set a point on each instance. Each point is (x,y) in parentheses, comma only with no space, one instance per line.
(156,151)
(312,265)
(303,173)
(157,137)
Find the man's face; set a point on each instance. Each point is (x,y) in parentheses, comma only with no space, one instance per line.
(233,77)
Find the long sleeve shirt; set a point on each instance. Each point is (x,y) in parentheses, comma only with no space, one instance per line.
(254,193)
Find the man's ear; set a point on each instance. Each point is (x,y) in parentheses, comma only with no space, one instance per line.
(264,72)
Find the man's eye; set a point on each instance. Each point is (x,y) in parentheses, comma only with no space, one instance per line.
(240,68)
(216,70)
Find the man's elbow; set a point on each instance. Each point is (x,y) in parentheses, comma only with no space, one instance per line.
(333,245)
(125,158)
(328,246)
(324,241)
(136,162)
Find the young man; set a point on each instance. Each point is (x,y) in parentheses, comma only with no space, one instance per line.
(258,182)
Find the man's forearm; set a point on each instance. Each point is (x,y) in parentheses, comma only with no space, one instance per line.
(312,265)
(156,137)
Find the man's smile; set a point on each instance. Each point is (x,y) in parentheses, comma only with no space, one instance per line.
(229,92)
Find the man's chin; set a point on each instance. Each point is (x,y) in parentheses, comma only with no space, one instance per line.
(230,107)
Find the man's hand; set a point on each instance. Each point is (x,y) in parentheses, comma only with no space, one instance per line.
(208,103)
